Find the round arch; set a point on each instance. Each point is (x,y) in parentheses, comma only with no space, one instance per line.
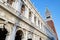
(22,8)
(19,35)
(3,33)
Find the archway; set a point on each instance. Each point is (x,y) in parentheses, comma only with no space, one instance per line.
(29,39)
(19,35)
(30,36)
(3,33)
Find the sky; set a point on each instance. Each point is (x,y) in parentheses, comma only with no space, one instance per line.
(54,7)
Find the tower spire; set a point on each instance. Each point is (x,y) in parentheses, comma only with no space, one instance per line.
(50,21)
(48,14)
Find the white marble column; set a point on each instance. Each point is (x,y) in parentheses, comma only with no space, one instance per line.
(17,5)
(40,25)
(25,35)
(11,35)
(36,21)
(8,36)
(32,18)
(33,37)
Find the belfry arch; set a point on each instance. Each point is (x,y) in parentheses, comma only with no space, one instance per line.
(19,35)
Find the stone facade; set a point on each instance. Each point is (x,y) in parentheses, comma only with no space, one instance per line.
(14,17)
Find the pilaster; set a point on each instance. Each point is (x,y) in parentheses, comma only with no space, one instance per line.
(11,35)
(32,18)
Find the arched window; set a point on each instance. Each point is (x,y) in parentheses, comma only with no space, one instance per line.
(3,33)
(19,35)
(22,8)
(38,22)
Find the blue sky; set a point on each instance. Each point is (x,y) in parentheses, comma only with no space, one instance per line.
(54,7)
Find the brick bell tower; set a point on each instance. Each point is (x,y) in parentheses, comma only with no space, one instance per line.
(50,21)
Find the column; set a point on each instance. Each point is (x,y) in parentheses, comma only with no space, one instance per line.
(11,35)
(25,36)
(33,37)
(32,18)
(40,24)
(8,36)
(36,21)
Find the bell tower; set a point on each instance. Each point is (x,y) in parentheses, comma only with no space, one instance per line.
(50,21)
